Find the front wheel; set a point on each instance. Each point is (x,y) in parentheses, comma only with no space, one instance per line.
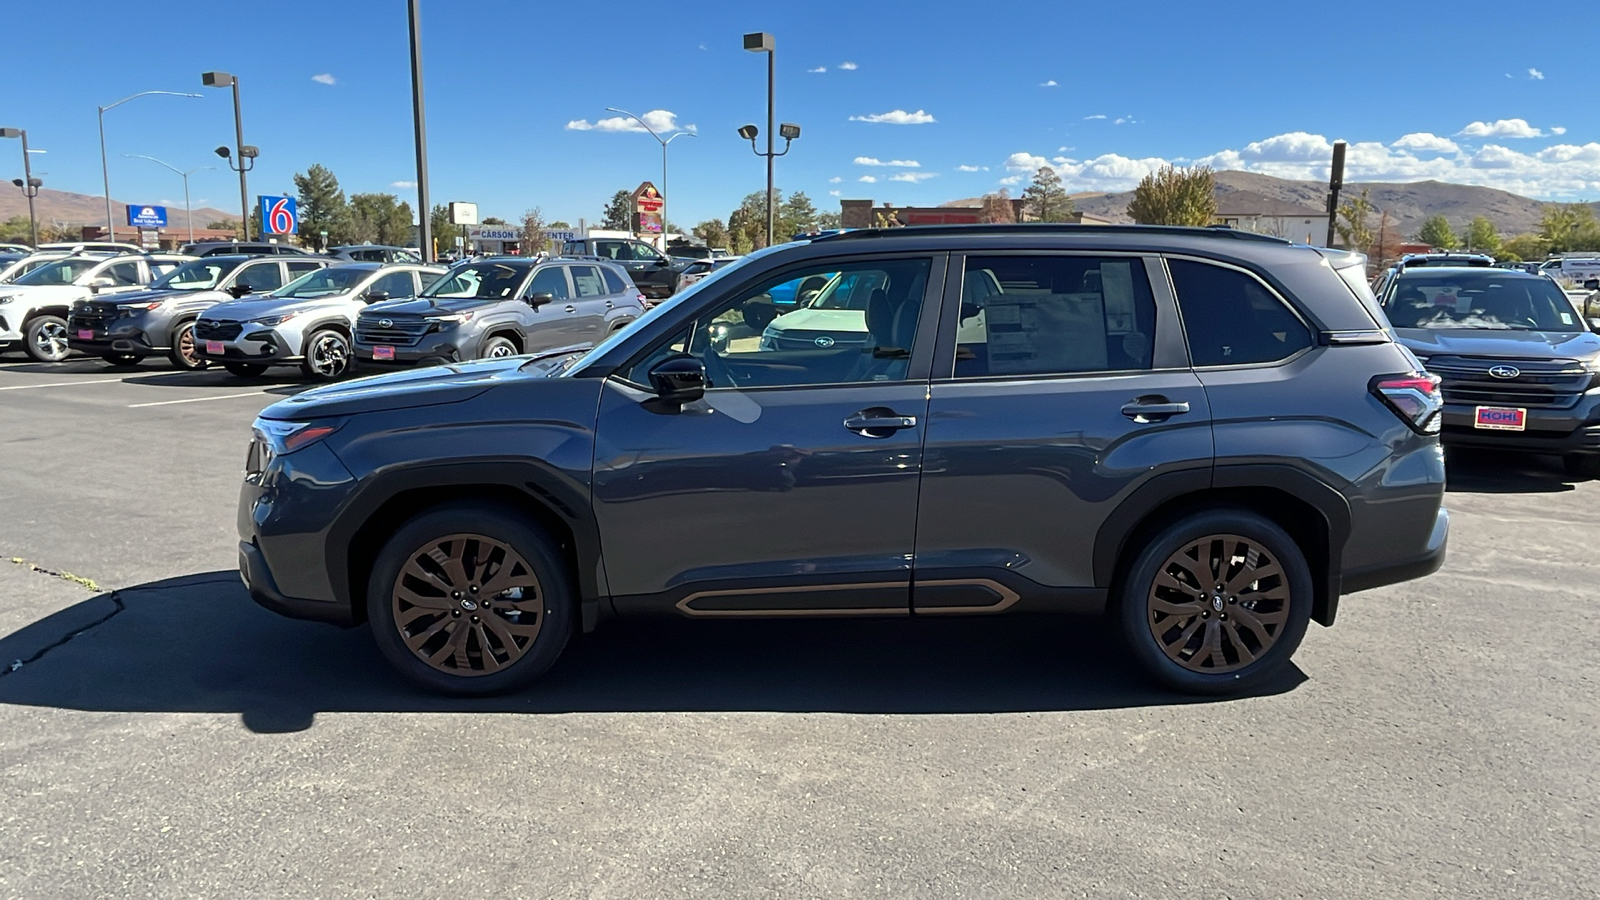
(466,599)
(1216,602)
(1582,465)
(497,348)
(45,339)
(327,355)
(183,353)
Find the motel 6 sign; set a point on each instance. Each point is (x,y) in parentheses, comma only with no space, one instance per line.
(278,215)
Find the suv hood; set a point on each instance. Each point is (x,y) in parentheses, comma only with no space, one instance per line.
(47,293)
(245,309)
(429,306)
(147,296)
(1509,344)
(429,386)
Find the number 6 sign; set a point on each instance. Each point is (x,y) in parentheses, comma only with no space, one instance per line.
(278,215)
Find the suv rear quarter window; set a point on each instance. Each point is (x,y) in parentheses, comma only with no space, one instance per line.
(1231,318)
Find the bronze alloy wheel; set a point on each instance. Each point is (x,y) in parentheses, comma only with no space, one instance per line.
(1218,604)
(185,347)
(467,604)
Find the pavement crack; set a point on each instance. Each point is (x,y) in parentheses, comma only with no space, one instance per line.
(117,606)
(64,576)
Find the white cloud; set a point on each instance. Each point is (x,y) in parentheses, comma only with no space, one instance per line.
(1424,142)
(833,193)
(659,120)
(848,66)
(1295,145)
(1126,120)
(1025,162)
(868,179)
(818,70)
(1508,128)
(1050,83)
(972,168)
(1558,129)
(1535,74)
(896,163)
(895,117)
(402,184)
(1065,149)
(1011,180)
(835,180)
(1093,117)
(702,46)
(325,78)
(913,177)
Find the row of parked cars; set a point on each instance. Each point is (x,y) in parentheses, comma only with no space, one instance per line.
(251,311)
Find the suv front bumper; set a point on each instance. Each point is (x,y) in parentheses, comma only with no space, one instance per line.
(127,335)
(256,344)
(435,348)
(1555,431)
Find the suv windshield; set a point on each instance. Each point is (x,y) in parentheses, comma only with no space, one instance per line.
(323,282)
(1491,299)
(483,281)
(200,275)
(62,271)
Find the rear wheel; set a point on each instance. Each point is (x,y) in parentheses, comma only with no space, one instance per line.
(245,370)
(183,353)
(327,355)
(45,339)
(468,600)
(497,348)
(1216,602)
(122,360)
(1583,465)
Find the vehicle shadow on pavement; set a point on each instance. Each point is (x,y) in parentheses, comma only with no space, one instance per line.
(198,644)
(287,379)
(76,365)
(1492,472)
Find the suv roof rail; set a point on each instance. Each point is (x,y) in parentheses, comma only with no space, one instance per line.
(1223,231)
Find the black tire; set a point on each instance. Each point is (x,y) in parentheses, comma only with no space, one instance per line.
(1238,664)
(328,355)
(1582,465)
(183,354)
(443,527)
(122,360)
(245,370)
(498,347)
(44,339)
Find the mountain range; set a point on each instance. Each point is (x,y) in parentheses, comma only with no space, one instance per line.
(88,209)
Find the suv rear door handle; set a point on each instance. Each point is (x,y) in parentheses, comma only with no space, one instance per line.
(1153,409)
(571,308)
(878,422)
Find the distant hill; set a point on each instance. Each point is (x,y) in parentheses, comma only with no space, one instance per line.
(1409,203)
(89,209)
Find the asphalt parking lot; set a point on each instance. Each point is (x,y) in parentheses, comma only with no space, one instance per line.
(165,737)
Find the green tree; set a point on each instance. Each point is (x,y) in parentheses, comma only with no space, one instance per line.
(1525,247)
(1482,236)
(828,221)
(533,239)
(1044,199)
(713,232)
(322,206)
(444,232)
(380,218)
(747,225)
(494,220)
(1354,223)
(1436,233)
(795,216)
(16,229)
(559,225)
(1570,227)
(1175,196)
(618,215)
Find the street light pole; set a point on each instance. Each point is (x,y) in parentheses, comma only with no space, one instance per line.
(28,187)
(419,122)
(188,215)
(246,154)
(105,168)
(664,143)
(762,42)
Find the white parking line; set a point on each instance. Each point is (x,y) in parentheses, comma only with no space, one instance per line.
(194,400)
(27,387)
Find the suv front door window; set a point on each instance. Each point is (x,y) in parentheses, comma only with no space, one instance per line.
(798,470)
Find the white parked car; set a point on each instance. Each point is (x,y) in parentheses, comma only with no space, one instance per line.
(34,308)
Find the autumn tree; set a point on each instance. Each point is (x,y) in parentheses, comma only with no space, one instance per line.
(1044,199)
(997,207)
(532,237)
(1386,241)
(1175,196)
(1436,233)
(1354,223)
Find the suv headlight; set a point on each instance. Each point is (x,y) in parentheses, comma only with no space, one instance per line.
(278,436)
(452,319)
(7,298)
(273,320)
(139,307)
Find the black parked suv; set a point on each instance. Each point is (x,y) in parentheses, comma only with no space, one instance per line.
(499,307)
(655,274)
(1209,434)
(1520,365)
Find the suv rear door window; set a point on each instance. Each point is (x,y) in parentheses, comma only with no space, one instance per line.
(613,249)
(260,277)
(1231,318)
(587,281)
(124,273)
(1054,315)
(614,282)
(300,267)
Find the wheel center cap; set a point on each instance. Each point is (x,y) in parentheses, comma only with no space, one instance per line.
(469,603)
(1216,603)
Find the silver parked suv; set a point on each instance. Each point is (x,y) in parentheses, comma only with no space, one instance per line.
(308,321)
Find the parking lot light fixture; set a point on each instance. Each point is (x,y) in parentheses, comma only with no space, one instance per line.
(763,42)
(188,215)
(30,185)
(105,168)
(245,161)
(664,142)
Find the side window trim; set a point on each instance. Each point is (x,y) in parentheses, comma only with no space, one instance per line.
(1272,292)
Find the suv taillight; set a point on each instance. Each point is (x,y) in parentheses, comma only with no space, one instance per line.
(1414,397)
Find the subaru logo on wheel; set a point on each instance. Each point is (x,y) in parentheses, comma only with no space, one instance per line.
(1504,371)
(824,341)
(385,323)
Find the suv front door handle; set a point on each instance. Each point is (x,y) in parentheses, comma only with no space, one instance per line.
(571,308)
(878,422)
(1153,409)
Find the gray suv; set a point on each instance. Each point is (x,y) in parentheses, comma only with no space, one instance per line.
(499,307)
(309,321)
(1209,435)
(125,328)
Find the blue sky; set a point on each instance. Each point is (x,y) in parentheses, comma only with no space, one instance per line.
(1102,92)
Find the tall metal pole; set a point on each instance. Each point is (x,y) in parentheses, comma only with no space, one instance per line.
(1335,182)
(771,118)
(238,136)
(188,214)
(424,212)
(105,178)
(30,190)
(664,195)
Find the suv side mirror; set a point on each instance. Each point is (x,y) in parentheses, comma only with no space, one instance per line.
(1593,284)
(540,299)
(375,296)
(239,290)
(100,284)
(679,379)
(662,262)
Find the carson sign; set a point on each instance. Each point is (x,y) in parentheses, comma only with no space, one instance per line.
(147,216)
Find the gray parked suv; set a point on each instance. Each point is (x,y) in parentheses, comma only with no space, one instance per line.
(500,307)
(309,321)
(1210,435)
(126,328)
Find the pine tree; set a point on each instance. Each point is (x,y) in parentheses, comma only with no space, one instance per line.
(1482,236)
(321,206)
(1437,234)
(1044,199)
(618,215)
